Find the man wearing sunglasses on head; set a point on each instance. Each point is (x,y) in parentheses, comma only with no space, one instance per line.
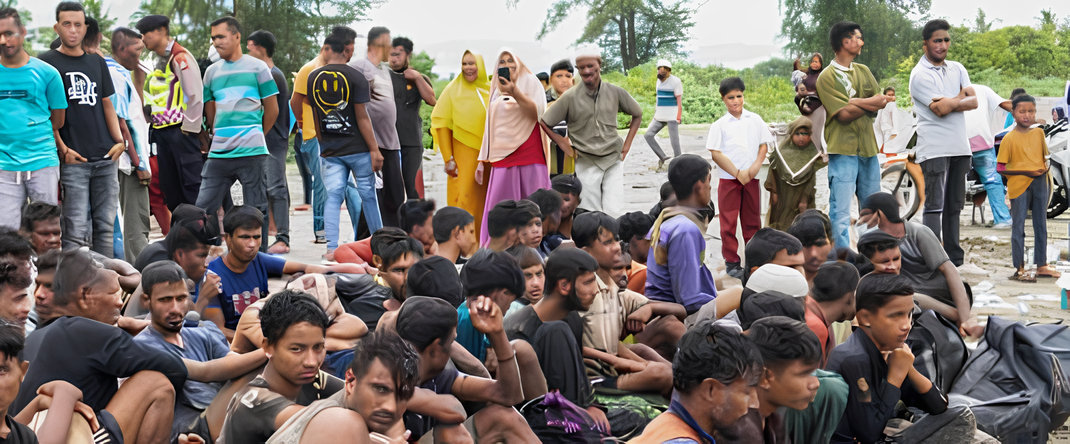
(941,90)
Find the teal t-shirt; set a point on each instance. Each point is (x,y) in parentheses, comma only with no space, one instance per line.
(471,339)
(28,95)
(238,88)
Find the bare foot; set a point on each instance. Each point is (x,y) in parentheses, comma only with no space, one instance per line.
(329,257)
(1048,271)
(279,247)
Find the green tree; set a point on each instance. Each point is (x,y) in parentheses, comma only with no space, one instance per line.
(631,32)
(189,20)
(981,23)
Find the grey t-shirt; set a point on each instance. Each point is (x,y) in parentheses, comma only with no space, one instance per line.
(939,136)
(382,110)
(922,257)
(592,120)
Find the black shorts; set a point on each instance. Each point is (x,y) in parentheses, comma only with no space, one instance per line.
(109,431)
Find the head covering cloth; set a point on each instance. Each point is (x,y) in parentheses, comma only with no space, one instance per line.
(462,106)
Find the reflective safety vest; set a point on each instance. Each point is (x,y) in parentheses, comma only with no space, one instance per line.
(163,93)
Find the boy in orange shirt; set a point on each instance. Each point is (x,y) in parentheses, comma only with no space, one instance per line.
(1023,160)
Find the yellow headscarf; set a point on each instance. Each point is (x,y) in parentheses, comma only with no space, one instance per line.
(462,106)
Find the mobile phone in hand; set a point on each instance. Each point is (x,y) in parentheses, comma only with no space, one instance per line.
(503,72)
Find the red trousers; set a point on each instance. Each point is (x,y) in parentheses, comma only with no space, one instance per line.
(156,203)
(735,200)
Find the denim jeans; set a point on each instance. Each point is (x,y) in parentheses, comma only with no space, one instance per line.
(90,202)
(849,176)
(1035,198)
(337,171)
(311,149)
(278,193)
(985,164)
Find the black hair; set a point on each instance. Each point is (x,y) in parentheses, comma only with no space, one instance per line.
(876,290)
(731,84)
(232,24)
(781,339)
(75,270)
(567,184)
(587,228)
(685,171)
(347,34)
(162,272)
(572,269)
(12,13)
(396,354)
(833,281)
(181,238)
(69,7)
(12,340)
(415,212)
(47,261)
(888,88)
(403,42)
(448,218)
(391,244)
(666,191)
(549,201)
(15,256)
(810,231)
(636,223)
(153,22)
(35,212)
(335,42)
(764,246)
(562,65)
(121,37)
(287,308)
(375,33)
(840,31)
(264,39)
(876,245)
(932,26)
(242,217)
(92,37)
(525,256)
(714,351)
(1017,92)
(422,319)
(506,215)
(543,77)
(531,210)
(1022,98)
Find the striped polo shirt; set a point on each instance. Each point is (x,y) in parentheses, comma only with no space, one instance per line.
(237,88)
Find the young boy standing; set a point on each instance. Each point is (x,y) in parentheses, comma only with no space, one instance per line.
(738,142)
(1022,159)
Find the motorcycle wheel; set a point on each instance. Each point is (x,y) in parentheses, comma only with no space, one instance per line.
(896,180)
(1059,201)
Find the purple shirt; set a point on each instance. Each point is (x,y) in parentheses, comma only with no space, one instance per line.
(685,280)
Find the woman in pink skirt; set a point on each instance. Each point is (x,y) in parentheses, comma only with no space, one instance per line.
(513,143)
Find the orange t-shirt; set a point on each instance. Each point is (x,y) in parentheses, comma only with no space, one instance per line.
(1022,152)
(666,427)
(637,278)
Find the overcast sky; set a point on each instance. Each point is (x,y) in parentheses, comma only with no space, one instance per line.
(445,28)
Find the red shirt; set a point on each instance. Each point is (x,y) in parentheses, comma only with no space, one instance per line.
(529,153)
(815,319)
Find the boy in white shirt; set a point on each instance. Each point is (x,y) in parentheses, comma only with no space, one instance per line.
(738,142)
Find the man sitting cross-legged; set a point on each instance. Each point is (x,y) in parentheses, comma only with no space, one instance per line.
(86,302)
(615,313)
(204,348)
(715,377)
(430,325)
(379,384)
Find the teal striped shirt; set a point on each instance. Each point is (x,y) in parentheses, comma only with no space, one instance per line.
(237,88)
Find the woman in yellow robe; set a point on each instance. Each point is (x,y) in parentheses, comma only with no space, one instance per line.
(457,124)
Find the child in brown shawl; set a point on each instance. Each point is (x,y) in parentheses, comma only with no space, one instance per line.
(791,181)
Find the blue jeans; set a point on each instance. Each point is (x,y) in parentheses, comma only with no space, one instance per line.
(1035,197)
(311,149)
(985,164)
(849,176)
(90,202)
(337,171)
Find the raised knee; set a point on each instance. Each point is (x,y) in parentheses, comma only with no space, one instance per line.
(156,383)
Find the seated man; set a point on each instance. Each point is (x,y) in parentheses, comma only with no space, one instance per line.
(415,218)
(878,252)
(554,329)
(42,288)
(570,188)
(831,299)
(455,233)
(243,272)
(880,367)
(532,265)
(925,263)
(491,275)
(430,325)
(549,202)
(196,220)
(812,229)
(188,244)
(615,313)
(531,233)
(678,244)
(505,221)
(435,276)
(15,267)
(393,253)
(86,305)
(378,386)
(634,229)
(715,377)
(769,246)
(294,328)
(168,300)
(791,353)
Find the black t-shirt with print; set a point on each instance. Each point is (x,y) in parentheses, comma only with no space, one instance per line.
(19,433)
(333,91)
(408,100)
(86,81)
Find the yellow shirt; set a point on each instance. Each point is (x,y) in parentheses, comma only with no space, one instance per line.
(308,124)
(1022,152)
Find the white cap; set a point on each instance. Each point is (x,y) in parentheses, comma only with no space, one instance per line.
(780,278)
(665,63)
(588,51)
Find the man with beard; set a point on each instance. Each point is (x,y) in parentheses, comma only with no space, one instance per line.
(411,90)
(668,110)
